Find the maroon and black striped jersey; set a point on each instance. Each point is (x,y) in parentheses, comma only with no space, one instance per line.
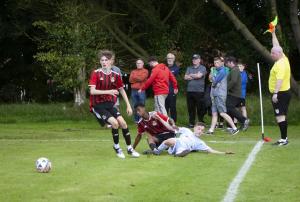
(104,81)
(153,126)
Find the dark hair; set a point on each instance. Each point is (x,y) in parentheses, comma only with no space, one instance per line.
(152,58)
(219,58)
(107,53)
(200,124)
(139,105)
(231,59)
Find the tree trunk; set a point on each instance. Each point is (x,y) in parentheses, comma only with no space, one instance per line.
(241,27)
(79,92)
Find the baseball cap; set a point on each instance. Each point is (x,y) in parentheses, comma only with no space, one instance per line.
(196,56)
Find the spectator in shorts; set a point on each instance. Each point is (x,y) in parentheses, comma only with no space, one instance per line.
(218,96)
(244,81)
(159,79)
(137,78)
(171,99)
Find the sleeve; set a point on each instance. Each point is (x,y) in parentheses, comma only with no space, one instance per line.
(163,117)
(145,75)
(220,76)
(119,82)
(150,80)
(93,79)
(173,79)
(203,70)
(187,72)
(132,77)
(176,72)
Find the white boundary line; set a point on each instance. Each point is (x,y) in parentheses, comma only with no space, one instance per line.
(107,140)
(238,179)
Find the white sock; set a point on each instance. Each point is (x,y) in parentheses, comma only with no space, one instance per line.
(116,146)
(129,147)
(162,147)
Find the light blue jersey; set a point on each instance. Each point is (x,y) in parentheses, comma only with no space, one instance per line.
(187,141)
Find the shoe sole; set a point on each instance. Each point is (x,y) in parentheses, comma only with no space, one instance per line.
(235,132)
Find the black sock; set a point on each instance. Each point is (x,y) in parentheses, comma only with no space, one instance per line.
(115,135)
(126,136)
(152,146)
(283,129)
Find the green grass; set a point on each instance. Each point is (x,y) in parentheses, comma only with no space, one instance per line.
(85,167)
(34,112)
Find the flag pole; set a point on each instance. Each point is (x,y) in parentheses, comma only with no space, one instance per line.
(261,105)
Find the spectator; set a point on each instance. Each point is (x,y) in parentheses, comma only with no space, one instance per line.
(235,92)
(171,98)
(159,79)
(218,76)
(195,77)
(244,81)
(137,79)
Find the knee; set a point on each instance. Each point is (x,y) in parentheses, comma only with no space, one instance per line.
(122,123)
(114,124)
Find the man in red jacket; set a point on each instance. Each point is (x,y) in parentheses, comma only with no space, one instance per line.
(159,79)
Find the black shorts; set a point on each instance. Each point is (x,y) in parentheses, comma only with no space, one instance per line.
(164,136)
(281,107)
(104,111)
(243,102)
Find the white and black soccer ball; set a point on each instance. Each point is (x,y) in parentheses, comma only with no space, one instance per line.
(43,165)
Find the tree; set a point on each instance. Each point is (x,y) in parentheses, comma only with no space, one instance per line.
(68,47)
(251,38)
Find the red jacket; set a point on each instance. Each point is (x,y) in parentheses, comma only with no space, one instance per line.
(159,79)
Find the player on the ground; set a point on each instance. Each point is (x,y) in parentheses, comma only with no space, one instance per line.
(187,142)
(157,126)
(105,85)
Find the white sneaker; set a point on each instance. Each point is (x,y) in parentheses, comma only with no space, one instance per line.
(120,153)
(133,153)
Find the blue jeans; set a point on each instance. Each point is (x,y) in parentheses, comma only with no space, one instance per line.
(137,97)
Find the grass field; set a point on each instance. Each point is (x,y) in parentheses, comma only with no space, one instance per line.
(85,167)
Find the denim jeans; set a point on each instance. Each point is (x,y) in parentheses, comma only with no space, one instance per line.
(137,97)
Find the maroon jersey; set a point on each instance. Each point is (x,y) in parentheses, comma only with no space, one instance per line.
(103,81)
(152,125)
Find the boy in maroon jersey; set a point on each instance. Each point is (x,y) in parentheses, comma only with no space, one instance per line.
(155,124)
(105,85)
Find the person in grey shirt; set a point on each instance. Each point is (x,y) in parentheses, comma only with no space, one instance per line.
(195,77)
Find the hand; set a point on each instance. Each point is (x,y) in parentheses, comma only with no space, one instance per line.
(229,152)
(274,98)
(114,92)
(129,110)
(188,77)
(140,90)
(175,91)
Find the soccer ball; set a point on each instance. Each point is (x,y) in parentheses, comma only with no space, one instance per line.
(43,165)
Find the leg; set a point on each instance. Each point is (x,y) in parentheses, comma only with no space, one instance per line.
(214,120)
(168,103)
(200,106)
(231,104)
(134,101)
(173,110)
(228,119)
(160,103)
(191,108)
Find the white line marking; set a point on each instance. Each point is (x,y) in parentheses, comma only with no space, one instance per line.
(234,185)
(104,140)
